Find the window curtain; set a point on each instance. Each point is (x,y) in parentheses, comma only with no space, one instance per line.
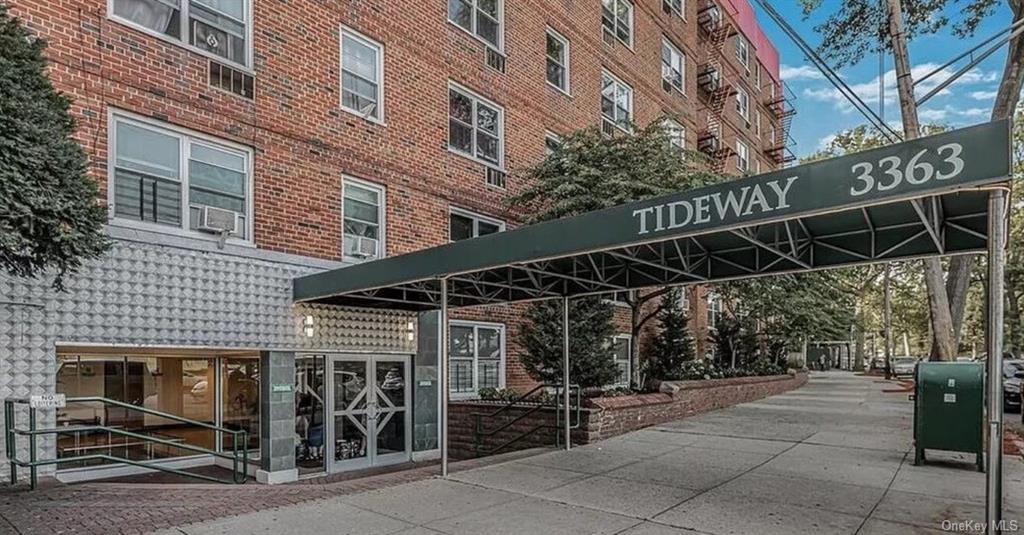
(153,14)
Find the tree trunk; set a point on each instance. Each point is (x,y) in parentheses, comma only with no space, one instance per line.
(960,267)
(938,300)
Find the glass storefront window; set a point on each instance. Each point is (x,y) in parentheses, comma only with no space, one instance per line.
(185,387)
(309,413)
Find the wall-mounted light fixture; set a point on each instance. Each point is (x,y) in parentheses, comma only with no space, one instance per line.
(307,326)
(411,330)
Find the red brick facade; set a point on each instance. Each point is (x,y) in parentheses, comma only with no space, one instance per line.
(303,143)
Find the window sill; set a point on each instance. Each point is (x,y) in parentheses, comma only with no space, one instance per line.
(182,44)
(132,225)
(481,40)
(564,92)
(480,161)
(350,111)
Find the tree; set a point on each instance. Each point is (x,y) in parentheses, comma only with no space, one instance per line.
(858,28)
(671,345)
(590,170)
(592,363)
(49,214)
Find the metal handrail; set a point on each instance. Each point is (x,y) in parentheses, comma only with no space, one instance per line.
(479,433)
(11,432)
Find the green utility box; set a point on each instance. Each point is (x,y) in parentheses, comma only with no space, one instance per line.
(949,408)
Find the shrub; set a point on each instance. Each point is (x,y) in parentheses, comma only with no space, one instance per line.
(498,394)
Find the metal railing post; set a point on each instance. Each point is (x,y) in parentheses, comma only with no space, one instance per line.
(10,439)
(994,316)
(565,371)
(442,379)
(33,469)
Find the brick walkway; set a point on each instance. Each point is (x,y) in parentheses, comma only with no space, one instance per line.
(123,508)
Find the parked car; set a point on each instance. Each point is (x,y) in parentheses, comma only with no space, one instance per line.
(1013,373)
(903,365)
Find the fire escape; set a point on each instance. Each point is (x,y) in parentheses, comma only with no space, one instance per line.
(781,106)
(715,90)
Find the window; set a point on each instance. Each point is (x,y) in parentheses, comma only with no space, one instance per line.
(463,225)
(165,177)
(475,126)
(676,6)
(558,60)
(551,143)
(481,18)
(676,133)
(477,357)
(743,51)
(743,103)
(616,101)
(364,220)
(620,345)
(217,27)
(757,76)
(672,66)
(362,73)
(757,167)
(714,310)
(771,136)
(617,19)
(742,156)
(757,125)
(684,301)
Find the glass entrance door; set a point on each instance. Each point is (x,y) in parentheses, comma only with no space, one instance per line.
(370,411)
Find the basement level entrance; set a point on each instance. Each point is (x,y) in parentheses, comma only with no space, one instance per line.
(940,195)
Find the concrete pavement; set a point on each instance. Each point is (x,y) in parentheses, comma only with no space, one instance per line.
(831,457)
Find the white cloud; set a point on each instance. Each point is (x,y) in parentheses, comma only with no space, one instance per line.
(868,91)
(791,73)
(983,95)
(933,116)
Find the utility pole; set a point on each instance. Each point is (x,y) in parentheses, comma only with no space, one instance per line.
(887,298)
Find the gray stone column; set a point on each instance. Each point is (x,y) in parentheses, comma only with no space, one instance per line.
(277,422)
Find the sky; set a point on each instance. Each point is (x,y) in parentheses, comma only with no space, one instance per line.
(822,110)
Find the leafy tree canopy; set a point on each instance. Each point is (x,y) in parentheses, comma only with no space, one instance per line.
(859,27)
(49,214)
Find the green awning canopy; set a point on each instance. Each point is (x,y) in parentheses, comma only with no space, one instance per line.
(918,198)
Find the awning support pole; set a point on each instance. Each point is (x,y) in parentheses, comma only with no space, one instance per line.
(442,377)
(565,371)
(994,313)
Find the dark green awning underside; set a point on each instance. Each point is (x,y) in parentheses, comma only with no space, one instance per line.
(818,224)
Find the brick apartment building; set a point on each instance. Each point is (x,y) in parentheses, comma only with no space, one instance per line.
(240,144)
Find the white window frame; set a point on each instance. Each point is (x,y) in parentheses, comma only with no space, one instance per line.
(757,124)
(632,21)
(771,140)
(743,103)
(553,33)
(629,359)
(502,360)
(743,51)
(742,156)
(382,213)
(714,310)
(553,137)
(501,127)
(665,42)
(345,30)
(473,32)
(477,219)
(669,124)
(682,8)
(184,40)
(186,138)
(618,82)
(757,75)
(684,301)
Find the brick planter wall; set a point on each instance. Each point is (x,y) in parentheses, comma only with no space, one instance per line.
(608,417)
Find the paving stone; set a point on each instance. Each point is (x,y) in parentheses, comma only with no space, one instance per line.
(742,515)
(532,515)
(620,496)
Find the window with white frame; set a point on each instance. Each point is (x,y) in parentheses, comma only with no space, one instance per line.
(551,143)
(463,225)
(743,51)
(673,66)
(620,348)
(362,75)
(757,76)
(684,301)
(617,19)
(742,156)
(475,126)
(482,18)
(217,27)
(771,136)
(743,103)
(714,310)
(676,6)
(675,132)
(169,177)
(557,50)
(477,357)
(757,125)
(616,101)
(364,220)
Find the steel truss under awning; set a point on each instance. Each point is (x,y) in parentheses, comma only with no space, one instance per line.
(838,212)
